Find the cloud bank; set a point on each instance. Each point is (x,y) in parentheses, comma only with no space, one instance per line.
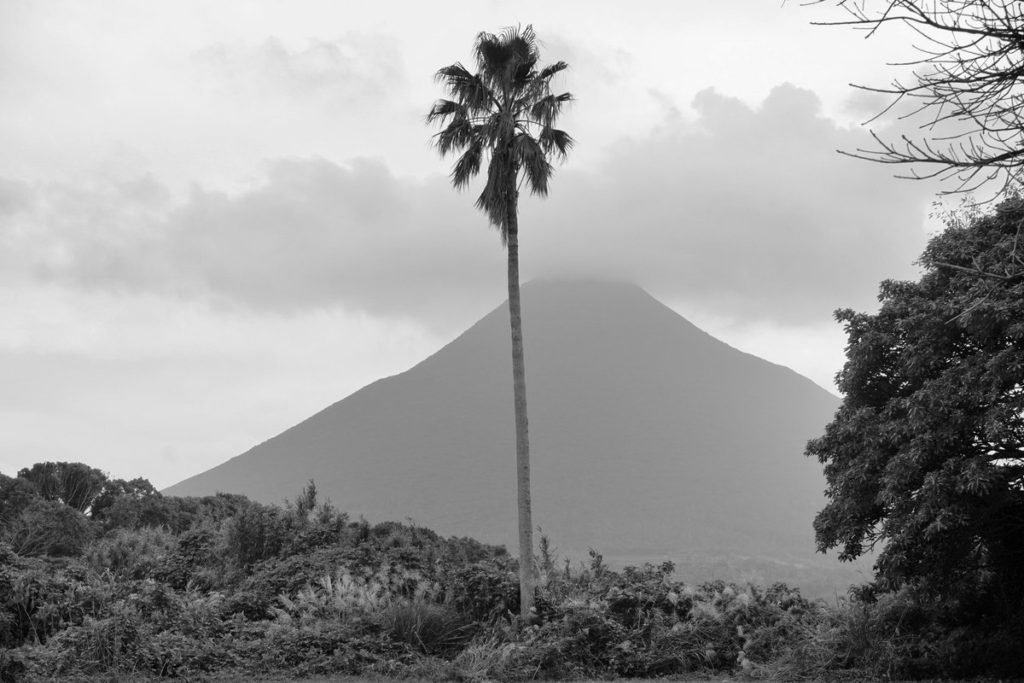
(748,212)
(354,69)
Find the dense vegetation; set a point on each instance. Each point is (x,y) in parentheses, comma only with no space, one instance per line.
(925,457)
(122,581)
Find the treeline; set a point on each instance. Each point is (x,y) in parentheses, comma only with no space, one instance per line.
(106,578)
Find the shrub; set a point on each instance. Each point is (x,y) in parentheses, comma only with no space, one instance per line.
(48,528)
(95,646)
(12,668)
(184,563)
(485,591)
(255,533)
(135,554)
(130,511)
(427,626)
(490,658)
(15,495)
(40,599)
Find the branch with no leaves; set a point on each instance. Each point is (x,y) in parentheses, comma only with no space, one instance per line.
(966,89)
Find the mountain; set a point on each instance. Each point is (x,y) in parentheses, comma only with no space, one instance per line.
(650,439)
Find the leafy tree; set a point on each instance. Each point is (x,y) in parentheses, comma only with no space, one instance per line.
(119,488)
(47,527)
(71,483)
(301,511)
(15,495)
(926,454)
(131,512)
(507,112)
(965,86)
(254,533)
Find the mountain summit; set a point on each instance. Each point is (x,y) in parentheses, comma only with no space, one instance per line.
(649,438)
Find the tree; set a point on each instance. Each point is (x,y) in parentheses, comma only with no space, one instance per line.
(15,495)
(966,86)
(925,456)
(507,112)
(47,527)
(115,489)
(71,483)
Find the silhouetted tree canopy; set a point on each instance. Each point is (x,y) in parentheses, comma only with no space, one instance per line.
(504,115)
(47,528)
(115,489)
(925,457)
(75,484)
(15,495)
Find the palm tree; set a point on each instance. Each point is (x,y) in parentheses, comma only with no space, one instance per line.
(506,111)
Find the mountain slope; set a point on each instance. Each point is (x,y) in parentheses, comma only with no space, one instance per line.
(648,436)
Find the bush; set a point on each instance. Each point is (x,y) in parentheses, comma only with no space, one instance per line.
(15,495)
(254,534)
(48,528)
(318,595)
(184,563)
(427,626)
(485,591)
(134,554)
(40,599)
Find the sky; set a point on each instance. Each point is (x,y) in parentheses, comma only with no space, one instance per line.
(216,219)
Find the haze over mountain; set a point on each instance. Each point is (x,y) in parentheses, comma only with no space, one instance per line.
(649,438)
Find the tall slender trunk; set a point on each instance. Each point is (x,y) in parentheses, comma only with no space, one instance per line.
(526,580)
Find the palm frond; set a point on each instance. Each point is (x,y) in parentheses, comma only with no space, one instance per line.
(506,61)
(506,112)
(465,87)
(529,155)
(488,51)
(459,134)
(442,109)
(468,164)
(547,108)
(512,34)
(522,45)
(494,128)
(499,191)
(556,141)
(547,72)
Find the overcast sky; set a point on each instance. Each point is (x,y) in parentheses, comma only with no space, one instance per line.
(218,218)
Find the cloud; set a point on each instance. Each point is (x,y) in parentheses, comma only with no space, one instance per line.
(14,197)
(745,212)
(349,70)
(310,234)
(748,212)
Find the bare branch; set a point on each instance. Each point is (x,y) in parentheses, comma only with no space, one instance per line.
(968,85)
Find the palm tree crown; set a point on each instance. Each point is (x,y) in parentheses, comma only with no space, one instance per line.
(505,111)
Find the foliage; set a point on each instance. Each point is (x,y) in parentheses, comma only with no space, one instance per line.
(15,495)
(427,626)
(118,489)
(71,483)
(926,452)
(505,112)
(255,533)
(486,591)
(46,527)
(135,553)
(398,600)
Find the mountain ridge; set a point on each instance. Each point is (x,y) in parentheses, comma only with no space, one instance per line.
(649,437)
